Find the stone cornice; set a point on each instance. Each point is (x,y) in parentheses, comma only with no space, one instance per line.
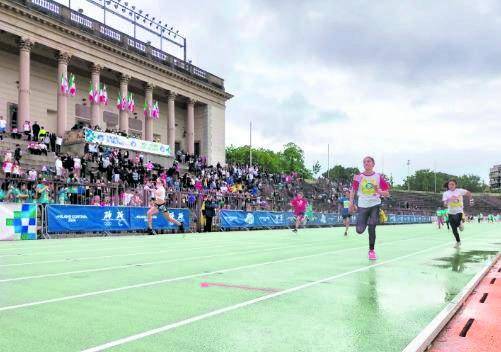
(80,35)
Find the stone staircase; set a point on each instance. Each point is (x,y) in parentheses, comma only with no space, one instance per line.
(28,161)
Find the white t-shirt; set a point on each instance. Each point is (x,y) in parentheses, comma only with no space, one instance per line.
(3,123)
(59,141)
(76,163)
(454,200)
(27,127)
(160,194)
(59,164)
(32,175)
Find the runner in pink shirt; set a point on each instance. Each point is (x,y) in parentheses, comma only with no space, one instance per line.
(369,187)
(299,205)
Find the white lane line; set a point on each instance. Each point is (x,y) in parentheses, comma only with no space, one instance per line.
(263,248)
(179,278)
(216,312)
(169,249)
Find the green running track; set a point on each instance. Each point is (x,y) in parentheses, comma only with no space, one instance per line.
(262,290)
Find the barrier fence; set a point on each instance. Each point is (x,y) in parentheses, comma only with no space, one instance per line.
(238,219)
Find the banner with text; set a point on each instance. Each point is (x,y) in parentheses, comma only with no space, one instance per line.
(116,141)
(270,219)
(85,218)
(18,221)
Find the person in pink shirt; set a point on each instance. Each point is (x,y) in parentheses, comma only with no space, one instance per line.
(299,205)
(369,187)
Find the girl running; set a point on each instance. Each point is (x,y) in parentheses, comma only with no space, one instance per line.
(369,187)
(299,205)
(158,204)
(345,211)
(453,199)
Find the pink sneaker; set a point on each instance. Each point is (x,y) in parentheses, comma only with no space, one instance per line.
(372,255)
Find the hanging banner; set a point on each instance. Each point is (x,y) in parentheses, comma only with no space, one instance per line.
(18,221)
(116,141)
(87,218)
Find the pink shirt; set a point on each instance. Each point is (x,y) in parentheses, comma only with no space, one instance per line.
(299,205)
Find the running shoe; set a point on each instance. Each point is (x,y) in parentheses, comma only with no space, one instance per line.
(152,232)
(181,227)
(457,245)
(346,233)
(372,255)
(294,230)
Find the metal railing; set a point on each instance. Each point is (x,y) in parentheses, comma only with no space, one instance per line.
(89,25)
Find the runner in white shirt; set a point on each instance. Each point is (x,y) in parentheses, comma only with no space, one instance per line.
(453,200)
(158,205)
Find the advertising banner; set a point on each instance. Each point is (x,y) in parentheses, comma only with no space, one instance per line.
(18,221)
(86,218)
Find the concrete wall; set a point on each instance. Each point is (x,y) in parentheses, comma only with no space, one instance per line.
(216,134)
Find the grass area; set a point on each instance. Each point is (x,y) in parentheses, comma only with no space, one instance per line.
(237,291)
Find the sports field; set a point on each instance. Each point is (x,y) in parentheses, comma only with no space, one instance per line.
(236,291)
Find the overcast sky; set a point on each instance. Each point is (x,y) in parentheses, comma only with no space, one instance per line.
(398,80)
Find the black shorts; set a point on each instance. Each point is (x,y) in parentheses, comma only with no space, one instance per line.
(161,207)
(346,216)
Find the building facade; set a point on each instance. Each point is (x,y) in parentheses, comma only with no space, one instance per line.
(42,41)
(495,177)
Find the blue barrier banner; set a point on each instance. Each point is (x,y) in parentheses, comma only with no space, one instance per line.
(84,218)
(268,219)
(139,220)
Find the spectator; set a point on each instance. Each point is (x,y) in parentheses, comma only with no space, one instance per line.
(27,130)
(15,133)
(17,153)
(209,212)
(59,167)
(36,129)
(3,127)
(41,133)
(59,143)
(53,138)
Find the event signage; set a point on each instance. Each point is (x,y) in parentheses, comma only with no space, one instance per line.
(87,218)
(116,141)
(270,219)
(18,221)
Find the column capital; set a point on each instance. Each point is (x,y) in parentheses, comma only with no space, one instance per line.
(63,57)
(148,86)
(95,68)
(124,79)
(171,95)
(25,44)
(192,101)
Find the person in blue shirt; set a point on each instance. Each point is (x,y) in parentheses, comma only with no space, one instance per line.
(344,204)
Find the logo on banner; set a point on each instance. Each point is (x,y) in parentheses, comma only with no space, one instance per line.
(119,218)
(249,219)
(23,223)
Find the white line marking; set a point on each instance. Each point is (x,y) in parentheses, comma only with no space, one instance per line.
(125,266)
(246,303)
(174,279)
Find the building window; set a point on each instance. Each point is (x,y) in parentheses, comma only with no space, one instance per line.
(12,115)
(157,138)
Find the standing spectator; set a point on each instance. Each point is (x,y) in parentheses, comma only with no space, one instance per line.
(3,126)
(42,192)
(77,166)
(41,133)
(17,153)
(27,130)
(59,167)
(36,130)
(59,143)
(7,167)
(16,169)
(209,212)
(53,142)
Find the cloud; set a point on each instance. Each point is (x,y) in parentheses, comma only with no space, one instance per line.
(399,80)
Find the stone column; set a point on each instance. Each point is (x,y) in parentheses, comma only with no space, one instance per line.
(190,127)
(123,116)
(96,113)
(62,99)
(148,121)
(23,111)
(171,123)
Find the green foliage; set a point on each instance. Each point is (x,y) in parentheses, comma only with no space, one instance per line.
(424,180)
(290,159)
(341,173)
(316,168)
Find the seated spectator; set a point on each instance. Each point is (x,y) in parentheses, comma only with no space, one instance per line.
(14,134)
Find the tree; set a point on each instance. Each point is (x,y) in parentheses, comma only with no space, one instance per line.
(424,180)
(316,168)
(341,174)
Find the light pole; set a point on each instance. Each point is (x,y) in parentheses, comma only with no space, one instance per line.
(408,175)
